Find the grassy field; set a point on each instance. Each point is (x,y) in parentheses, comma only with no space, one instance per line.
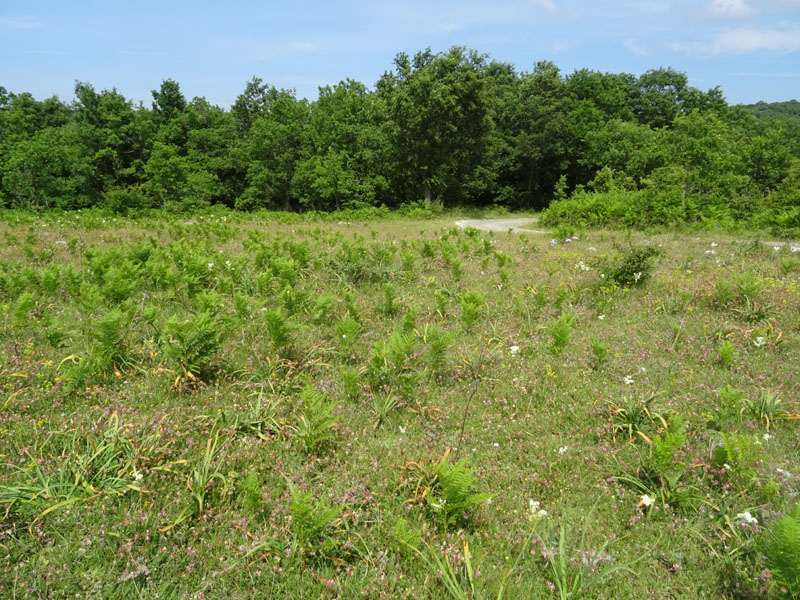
(225,407)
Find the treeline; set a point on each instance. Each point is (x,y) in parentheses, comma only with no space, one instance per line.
(454,128)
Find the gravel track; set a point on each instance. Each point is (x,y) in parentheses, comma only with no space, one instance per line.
(514,225)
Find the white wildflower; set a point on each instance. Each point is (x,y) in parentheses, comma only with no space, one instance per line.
(646,500)
(601,317)
(747,518)
(713,244)
(536,513)
(637,277)
(726,466)
(711,251)
(592,249)
(514,349)
(766,437)
(210,266)
(582,266)
(137,476)
(759,341)
(563,449)
(628,380)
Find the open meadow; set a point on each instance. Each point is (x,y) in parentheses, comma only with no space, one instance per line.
(226,406)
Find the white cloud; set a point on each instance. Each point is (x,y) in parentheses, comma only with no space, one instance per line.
(731,8)
(745,40)
(636,47)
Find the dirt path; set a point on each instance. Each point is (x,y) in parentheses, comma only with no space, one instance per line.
(516,226)
(503,225)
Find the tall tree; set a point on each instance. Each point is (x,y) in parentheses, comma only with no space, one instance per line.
(345,150)
(437,104)
(271,151)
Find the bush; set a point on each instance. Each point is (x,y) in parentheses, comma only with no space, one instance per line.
(634,266)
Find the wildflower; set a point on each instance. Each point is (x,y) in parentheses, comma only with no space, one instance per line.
(536,513)
(646,500)
(592,249)
(628,380)
(496,445)
(210,266)
(582,266)
(726,466)
(563,449)
(766,437)
(601,317)
(637,277)
(746,518)
(759,341)
(514,349)
(713,244)
(137,476)
(711,251)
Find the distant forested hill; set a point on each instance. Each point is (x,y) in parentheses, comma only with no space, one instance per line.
(788,111)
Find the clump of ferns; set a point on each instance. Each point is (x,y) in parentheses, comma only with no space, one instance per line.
(446,489)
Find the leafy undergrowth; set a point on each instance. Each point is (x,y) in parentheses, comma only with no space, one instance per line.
(394,409)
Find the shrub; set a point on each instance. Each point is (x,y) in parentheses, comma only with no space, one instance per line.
(634,266)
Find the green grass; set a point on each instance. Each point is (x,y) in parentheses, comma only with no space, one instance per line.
(316,409)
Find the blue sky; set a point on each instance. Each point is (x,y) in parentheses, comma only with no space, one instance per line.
(751,48)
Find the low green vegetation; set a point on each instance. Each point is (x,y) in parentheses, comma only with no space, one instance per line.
(232,406)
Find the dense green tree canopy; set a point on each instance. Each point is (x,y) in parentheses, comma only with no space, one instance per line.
(453,127)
